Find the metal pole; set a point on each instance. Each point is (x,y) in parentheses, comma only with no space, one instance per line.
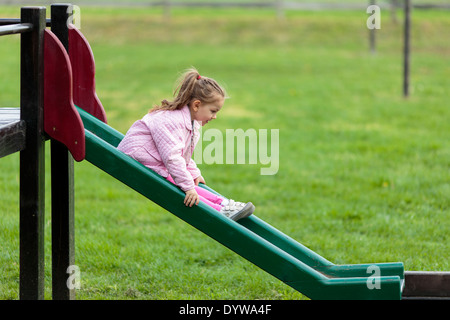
(15,28)
(280,9)
(406,49)
(372,34)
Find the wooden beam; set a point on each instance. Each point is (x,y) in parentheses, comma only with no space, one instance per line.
(62,172)
(32,158)
(427,284)
(12,131)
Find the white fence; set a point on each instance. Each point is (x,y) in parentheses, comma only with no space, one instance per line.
(276,4)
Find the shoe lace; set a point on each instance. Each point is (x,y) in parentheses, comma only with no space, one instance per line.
(233,205)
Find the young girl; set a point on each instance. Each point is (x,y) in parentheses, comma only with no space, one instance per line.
(165,138)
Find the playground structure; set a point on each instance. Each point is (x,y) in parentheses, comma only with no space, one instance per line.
(58,102)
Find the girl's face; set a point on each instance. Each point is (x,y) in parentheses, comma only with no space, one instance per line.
(205,112)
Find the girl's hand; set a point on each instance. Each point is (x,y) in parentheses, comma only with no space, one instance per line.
(191,198)
(199,180)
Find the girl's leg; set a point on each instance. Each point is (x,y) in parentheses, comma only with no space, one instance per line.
(209,203)
(205,196)
(209,195)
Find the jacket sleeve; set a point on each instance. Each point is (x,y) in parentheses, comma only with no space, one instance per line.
(169,142)
(193,170)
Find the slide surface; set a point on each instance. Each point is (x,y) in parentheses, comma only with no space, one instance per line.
(253,239)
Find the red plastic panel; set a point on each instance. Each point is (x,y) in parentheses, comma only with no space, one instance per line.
(61,119)
(83,66)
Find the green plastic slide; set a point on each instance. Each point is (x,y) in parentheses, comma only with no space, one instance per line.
(260,243)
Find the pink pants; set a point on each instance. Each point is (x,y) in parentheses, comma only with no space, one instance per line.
(205,196)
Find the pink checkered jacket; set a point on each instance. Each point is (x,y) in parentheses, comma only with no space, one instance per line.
(164,142)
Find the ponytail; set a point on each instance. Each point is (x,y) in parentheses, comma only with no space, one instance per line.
(192,86)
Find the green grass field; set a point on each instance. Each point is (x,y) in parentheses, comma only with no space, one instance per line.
(363,173)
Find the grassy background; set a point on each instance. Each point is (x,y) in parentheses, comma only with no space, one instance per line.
(364,174)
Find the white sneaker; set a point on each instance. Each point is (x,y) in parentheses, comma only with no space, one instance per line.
(237,210)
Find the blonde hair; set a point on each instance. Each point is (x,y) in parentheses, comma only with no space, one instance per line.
(192,86)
